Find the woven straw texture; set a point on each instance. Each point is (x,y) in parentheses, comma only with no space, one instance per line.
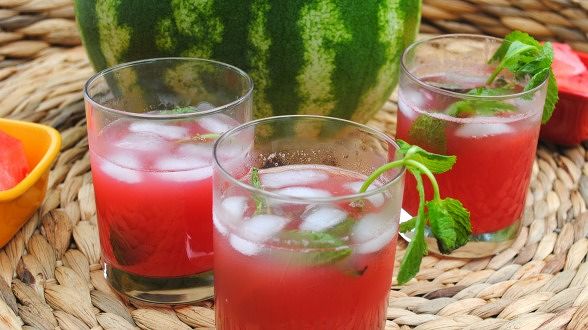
(562,20)
(51,273)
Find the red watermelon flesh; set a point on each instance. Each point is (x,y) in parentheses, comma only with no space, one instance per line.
(570,70)
(566,62)
(13,162)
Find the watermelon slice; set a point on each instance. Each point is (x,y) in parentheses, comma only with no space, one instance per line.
(13,162)
(566,62)
(570,70)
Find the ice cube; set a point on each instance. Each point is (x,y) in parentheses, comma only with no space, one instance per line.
(188,175)
(244,246)
(142,142)
(234,207)
(216,123)
(377,243)
(200,150)
(410,100)
(262,227)
(377,200)
(120,173)
(204,106)
(483,129)
(321,218)
(174,163)
(283,179)
(165,131)
(222,229)
(373,232)
(125,160)
(303,192)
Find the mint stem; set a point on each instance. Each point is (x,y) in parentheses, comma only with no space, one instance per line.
(493,76)
(411,263)
(398,163)
(425,170)
(379,171)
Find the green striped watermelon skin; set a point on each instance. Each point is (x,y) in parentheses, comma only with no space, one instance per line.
(329,57)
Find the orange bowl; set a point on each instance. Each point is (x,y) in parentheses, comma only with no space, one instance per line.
(41,144)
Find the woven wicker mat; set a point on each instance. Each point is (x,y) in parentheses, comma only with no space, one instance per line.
(51,276)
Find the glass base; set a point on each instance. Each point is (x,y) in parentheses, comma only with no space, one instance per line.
(157,290)
(479,246)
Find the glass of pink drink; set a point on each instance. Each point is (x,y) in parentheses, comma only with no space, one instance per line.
(495,151)
(151,128)
(296,246)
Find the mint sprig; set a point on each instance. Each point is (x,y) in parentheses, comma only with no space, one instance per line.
(525,57)
(448,219)
(528,60)
(321,248)
(261,205)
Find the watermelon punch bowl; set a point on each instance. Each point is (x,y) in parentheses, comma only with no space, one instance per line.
(495,149)
(296,245)
(333,58)
(151,128)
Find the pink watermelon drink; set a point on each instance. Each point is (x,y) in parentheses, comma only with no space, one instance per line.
(152,177)
(493,131)
(296,246)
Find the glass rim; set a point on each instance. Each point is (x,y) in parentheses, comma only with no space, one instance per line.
(439,90)
(285,198)
(121,66)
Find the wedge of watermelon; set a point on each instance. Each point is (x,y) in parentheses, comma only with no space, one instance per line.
(13,162)
(570,70)
(569,123)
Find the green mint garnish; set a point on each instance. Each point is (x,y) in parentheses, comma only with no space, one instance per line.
(520,54)
(124,252)
(178,110)
(407,225)
(261,205)
(430,132)
(469,108)
(322,248)
(198,138)
(448,219)
(525,57)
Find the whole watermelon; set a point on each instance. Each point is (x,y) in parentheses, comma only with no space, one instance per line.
(329,57)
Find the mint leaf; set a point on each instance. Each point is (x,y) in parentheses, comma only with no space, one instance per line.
(429,132)
(514,35)
(342,229)
(320,248)
(469,108)
(200,138)
(178,110)
(124,252)
(450,223)
(486,91)
(417,248)
(407,225)
(260,203)
(526,57)
(434,162)
(551,98)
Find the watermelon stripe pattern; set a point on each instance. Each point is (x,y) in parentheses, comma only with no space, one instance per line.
(330,57)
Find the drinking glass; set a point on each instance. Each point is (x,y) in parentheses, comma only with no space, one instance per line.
(151,128)
(296,245)
(495,150)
